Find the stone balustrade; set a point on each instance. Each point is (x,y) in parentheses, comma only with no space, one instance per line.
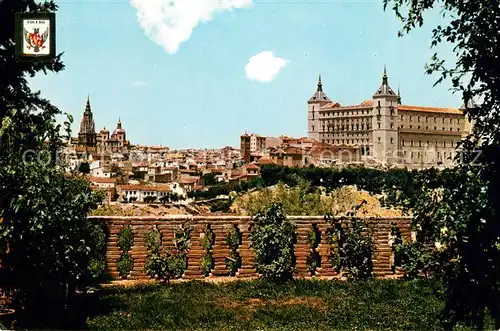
(220,251)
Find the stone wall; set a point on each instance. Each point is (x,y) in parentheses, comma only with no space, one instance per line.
(222,225)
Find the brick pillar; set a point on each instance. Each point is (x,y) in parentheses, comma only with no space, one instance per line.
(246,253)
(302,250)
(324,250)
(167,234)
(195,254)
(220,250)
(139,249)
(381,250)
(113,252)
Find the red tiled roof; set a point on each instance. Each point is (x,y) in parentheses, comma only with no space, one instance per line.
(189,180)
(430,109)
(144,188)
(252,166)
(264,161)
(331,105)
(102,180)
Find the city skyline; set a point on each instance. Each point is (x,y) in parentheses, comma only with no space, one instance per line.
(250,69)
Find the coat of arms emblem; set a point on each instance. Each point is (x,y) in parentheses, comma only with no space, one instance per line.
(36,40)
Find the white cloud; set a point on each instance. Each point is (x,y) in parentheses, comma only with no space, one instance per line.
(169,23)
(138,83)
(264,67)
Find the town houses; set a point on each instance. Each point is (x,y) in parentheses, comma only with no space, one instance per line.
(381,131)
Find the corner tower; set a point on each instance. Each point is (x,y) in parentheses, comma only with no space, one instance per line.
(385,123)
(314,105)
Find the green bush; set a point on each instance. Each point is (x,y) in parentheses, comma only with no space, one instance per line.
(207,262)
(352,248)
(163,263)
(221,206)
(125,263)
(313,259)
(97,263)
(233,263)
(272,238)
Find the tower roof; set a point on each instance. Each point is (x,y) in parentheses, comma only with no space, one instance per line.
(319,96)
(87,105)
(470,105)
(385,89)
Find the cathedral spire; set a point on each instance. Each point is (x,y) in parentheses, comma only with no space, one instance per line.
(87,105)
(119,124)
(399,96)
(320,85)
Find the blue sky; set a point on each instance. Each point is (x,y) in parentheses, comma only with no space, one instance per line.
(197,93)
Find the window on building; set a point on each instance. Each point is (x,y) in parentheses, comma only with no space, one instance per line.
(435,128)
(443,128)
(401,126)
(392,125)
(410,118)
(418,118)
(401,117)
(427,128)
(379,125)
(419,143)
(392,140)
(313,128)
(379,139)
(411,126)
(419,127)
(411,143)
(435,119)
(402,142)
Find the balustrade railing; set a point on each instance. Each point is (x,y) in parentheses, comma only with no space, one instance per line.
(220,251)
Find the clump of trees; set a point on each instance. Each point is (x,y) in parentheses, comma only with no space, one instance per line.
(461,219)
(52,249)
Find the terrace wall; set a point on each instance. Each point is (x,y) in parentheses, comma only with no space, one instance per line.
(222,225)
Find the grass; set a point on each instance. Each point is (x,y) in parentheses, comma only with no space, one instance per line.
(259,305)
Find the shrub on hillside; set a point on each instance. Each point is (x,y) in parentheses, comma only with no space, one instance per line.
(272,238)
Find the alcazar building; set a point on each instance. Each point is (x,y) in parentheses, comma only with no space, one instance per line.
(387,131)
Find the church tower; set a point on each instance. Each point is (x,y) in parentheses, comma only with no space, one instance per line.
(314,104)
(87,136)
(385,123)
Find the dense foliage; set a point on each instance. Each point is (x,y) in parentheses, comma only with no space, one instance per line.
(125,263)
(233,240)
(43,211)
(164,263)
(272,239)
(462,219)
(352,248)
(302,199)
(207,242)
